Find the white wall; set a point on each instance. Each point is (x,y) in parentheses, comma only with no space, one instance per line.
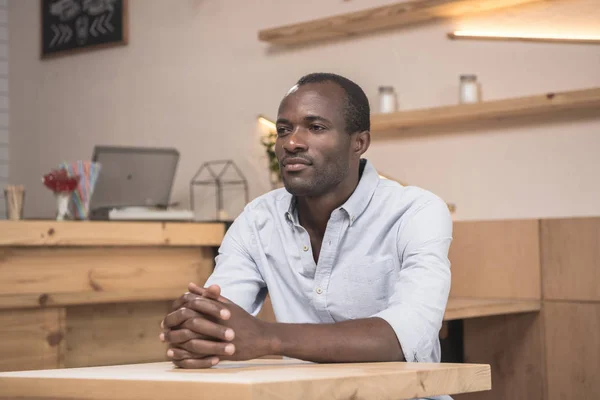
(4,156)
(194,76)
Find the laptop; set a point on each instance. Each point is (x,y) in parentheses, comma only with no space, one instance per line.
(132,178)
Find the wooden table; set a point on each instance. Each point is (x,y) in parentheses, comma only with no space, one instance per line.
(256,379)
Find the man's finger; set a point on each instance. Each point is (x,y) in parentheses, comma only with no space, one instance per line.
(200,363)
(176,354)
(209,328)
(184,298)
(212,292)
(199,347)
(182,335)
(209,308)
(190,330)
(178,317)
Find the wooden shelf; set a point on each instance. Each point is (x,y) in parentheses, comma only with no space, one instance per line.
(549,103)
(109,233)
(380,18)
(469,307)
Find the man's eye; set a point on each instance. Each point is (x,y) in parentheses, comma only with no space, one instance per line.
(317,127)
(281,130)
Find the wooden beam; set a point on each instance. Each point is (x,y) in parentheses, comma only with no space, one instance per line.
(44,300)
(109,233)
(380,18)
(458,35)
(548,103)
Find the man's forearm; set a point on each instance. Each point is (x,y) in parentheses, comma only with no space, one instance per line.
(361,340)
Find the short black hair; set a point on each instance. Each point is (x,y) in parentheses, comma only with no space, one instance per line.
(357,113)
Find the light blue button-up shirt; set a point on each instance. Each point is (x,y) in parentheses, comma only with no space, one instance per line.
(384,254)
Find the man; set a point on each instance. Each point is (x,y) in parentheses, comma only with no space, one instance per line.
(356,266)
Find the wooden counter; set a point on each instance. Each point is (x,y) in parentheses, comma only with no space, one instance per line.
(82,293)
(250,380)
(113,233)
(467,307)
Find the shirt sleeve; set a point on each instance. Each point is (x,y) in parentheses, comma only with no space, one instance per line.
(416,309)
(236,272)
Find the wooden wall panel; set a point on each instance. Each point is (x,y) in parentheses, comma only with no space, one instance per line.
(31,339)
(513,346)
(496,259)
(573,350)
(571,259)
(124,333)
(57,276)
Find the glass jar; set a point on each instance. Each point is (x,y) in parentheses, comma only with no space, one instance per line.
(469,89)
(387,99)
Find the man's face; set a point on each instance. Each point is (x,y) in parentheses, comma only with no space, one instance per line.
(312,146)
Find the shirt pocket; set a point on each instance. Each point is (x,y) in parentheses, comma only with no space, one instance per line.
(366,286)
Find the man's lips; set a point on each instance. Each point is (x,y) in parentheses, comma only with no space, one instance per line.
(295,167)
(295,164)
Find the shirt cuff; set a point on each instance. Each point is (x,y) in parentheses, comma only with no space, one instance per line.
(414,341)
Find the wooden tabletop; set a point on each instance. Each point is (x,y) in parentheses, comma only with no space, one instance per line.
(110,233)
(257,379)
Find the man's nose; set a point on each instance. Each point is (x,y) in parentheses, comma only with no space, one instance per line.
(295,141)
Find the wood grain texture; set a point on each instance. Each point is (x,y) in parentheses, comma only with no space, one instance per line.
(394,15)
(115,334)
(573,349)
(31,339)
(257,379)
(513,346)
(392,124)
(109,233)
(496,259)
(33,277)
(463,307)
(571,259)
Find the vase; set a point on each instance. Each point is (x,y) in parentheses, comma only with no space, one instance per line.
(62,206)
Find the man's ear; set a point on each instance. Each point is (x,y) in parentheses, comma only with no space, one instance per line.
(362,141)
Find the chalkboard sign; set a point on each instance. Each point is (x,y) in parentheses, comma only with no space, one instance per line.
(75,25)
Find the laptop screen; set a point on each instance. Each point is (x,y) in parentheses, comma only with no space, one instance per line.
(133,176)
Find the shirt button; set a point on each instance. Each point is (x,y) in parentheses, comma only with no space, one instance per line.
(319,290)
(305,248)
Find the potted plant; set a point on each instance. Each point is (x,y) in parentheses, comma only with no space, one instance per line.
(268,142)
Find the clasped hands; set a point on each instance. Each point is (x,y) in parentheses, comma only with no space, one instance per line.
(205,328)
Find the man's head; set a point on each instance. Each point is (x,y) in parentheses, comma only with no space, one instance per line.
(322,130)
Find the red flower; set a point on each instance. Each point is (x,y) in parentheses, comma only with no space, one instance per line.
(60,181)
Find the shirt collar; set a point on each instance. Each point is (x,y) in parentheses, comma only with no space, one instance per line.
(356,203)
(360,198)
